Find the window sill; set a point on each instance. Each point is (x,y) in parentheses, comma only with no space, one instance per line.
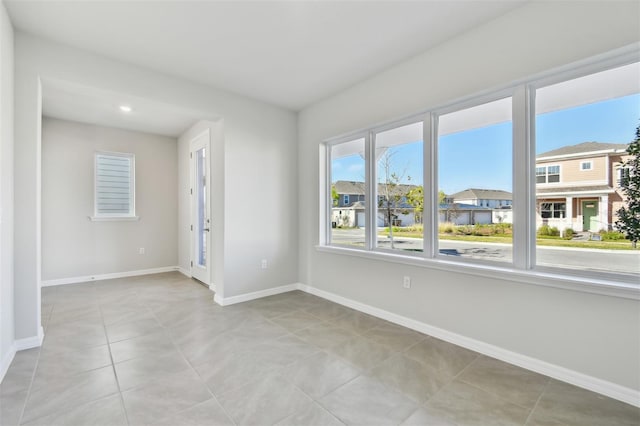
(628,288)
(113,218)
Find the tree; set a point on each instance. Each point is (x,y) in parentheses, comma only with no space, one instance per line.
(629,216)
(442,197)
(415,198)
(390,189)
(334,195)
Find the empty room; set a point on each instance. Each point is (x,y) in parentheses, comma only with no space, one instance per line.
(320,212)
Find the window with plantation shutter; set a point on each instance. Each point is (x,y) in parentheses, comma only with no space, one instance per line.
(114,185)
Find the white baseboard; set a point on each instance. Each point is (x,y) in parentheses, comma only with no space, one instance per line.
(29,342)
(19,345)
(225,301)
(98,277)
(6,361)
(612,390)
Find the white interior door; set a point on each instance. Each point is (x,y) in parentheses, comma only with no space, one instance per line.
(200,160)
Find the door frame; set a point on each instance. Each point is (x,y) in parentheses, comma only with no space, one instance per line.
(204,275)
(586,226)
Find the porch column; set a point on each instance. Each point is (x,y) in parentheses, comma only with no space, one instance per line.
(604,212)
(569,212)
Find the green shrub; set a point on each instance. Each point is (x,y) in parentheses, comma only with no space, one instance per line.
(612,236)
(568,233)
(464,230)
(446,227)
(414,228)
(548,231)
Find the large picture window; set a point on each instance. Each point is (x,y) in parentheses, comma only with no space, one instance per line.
(526,179)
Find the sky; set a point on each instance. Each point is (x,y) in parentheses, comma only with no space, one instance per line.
(481,158)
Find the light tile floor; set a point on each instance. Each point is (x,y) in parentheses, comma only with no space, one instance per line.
(157,350)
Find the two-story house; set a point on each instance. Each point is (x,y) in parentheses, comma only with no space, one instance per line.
(578,186)
(491,198)
(348,209)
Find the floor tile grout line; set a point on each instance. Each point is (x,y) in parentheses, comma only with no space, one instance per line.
(477,359)
(33,375)
(113,367)
(453,379)
(546,386)
(33,379)
(184,357)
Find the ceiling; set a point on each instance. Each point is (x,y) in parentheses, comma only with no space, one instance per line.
(70,101)
(287,53)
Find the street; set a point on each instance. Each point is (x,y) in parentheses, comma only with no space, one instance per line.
(624,261)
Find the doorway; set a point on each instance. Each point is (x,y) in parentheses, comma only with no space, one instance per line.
(200,161)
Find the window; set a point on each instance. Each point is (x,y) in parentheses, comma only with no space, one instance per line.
(400,192)
(465,193)
(553,210)
(469,140)
(623,173)
(595,115)
(553,174)
(114,185)
(550,174)
(347,171)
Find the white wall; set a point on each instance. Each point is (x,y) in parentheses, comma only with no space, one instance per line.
(252,214)
(593,335)
(260,165)
(6,191)
(74,246)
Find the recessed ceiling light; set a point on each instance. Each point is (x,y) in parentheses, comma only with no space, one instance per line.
(125,108)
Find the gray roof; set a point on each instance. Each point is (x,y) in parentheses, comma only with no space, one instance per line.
(482,194)
(583,148)
(349,187)
(357,188)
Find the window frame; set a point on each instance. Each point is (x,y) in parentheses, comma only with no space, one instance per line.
(547,174)
(523,268)
(373,173)
(621,171)
(452,108)
(553,210)
(131,215)
(584,163)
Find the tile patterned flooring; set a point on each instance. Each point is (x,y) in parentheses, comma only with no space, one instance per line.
(156,350)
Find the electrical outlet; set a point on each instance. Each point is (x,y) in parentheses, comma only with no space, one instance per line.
(141,250)
(263,264)
(406,282)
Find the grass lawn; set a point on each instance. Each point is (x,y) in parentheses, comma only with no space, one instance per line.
(548,241)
